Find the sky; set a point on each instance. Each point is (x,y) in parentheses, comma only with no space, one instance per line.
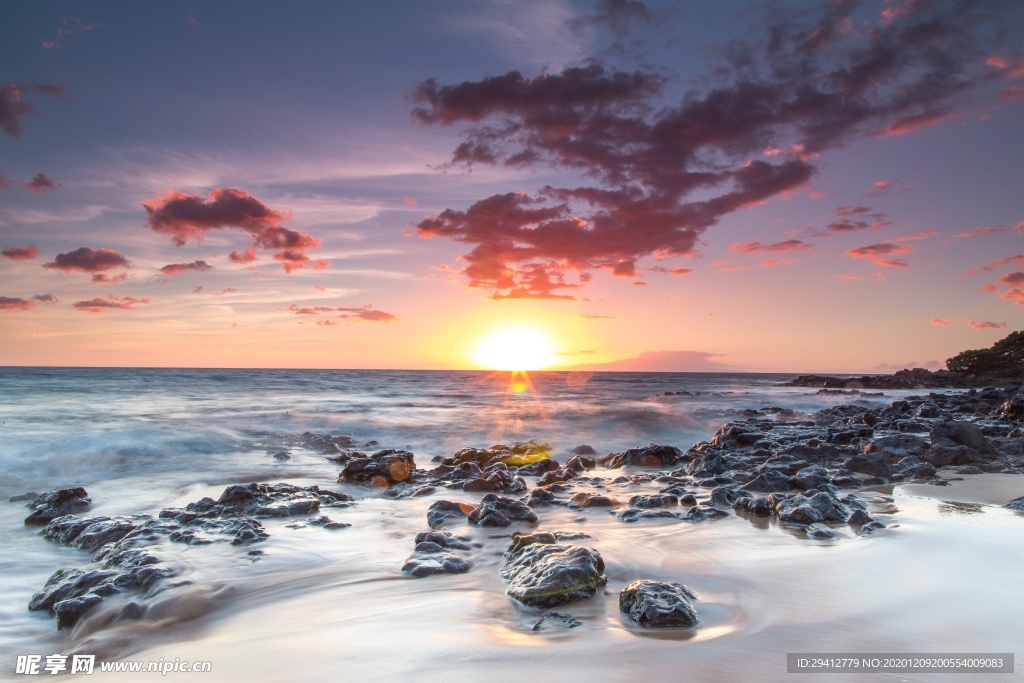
(744,186)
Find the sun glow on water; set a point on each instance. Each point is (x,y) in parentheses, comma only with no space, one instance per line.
(515,348)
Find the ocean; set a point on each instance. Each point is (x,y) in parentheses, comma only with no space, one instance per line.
(940,578)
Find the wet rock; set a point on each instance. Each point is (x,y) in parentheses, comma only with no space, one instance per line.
(584,449)
(874,464)
(380,470)
(445,539)
(557,476)
(870,527)
(758,507)
(725,495)
(706,464)
(430,558)
(541,496)
(579,463)
(736,434)
(660,500)
(813,477)
(819,531)
(769,480)
(326,522)
(1017,504)
(548,575)
(958,443)
(642,514)
(102,532)
(656,604)
(444,511)
(593,500)
(687,499)
(556,620)
(859,517)
(245,530)
(811,507)
(649,456)
(701,513)
(53,504)
(539,468)
(897,446)
(496,511)
(501,481)
(66,529)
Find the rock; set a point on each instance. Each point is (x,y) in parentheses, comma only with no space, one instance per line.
(538,468)
(380,470)
(1017,504)
(443,511)
(548,575)
(859,517)
(656,604)
(557,476)
(874,464)
(736,434)
(445,539)
(593,500)
(57,503)
(584,449)
(431,558)
(706,464)
(955,433)
(102,532)
(758,507)
(65,529)
(897,446)
(639,514)
(497,511)
(700,513)
(941,455)
(554,619)
(661,500)
(810,508)
(649,456)
(820,531)
(813,477)
(766,482)
(541,496)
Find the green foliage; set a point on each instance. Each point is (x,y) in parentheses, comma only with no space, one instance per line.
(1005,354)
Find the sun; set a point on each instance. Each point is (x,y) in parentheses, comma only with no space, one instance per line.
(515,348)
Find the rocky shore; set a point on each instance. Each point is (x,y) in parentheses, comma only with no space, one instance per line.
(915,379)
(803,470)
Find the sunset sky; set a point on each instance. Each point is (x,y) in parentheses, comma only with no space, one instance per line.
(833,186)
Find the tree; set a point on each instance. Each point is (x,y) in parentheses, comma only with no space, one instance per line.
(1005,354)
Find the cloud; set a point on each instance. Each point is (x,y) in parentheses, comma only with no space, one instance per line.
(68,27)
(776,248)
(656,174)
(97,305)
(893,367)
(12,303)
(1009,260)
(1015,295)
(923,235)
(409,200)
(767,263)
(367,313)
(876,253)
(662,361)
(1013,279)
(617,16)
(941,322)
(848,276)
(588,316)
(879,188)
(985,325)
(41,184)
(975,232)
(20,253)
(854,218)
(188,217)
(178,268)
(671,271)
(13,108)
(98,262)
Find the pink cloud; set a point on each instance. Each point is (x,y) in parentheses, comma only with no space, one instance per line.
(13,107)
(229,290)
(990,289)
(20,253)
(248,255)
(1009,260)
(409,200)
(776,248)
(923,235)
(985,325)
(178,268)
(1014,93)
(777,262)
(11,303)
(941,322)
(671,271)
(187,217)
(848,276)
(1013,279)
(976,232)
(98,262)
(915,122)
(876,253)
(367,313)
(327,323)
(588,316)
(879,188)
(68,27)
(99,305)
(41,184)
(1014,295)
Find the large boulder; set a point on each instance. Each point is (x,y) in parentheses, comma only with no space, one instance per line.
(547,575)
(897,446)
(48,506)
(653,455)
(958,443)
(656,604)
(444,511)
(380,470)
(434,554)
(874,464)
(498,511)
(817,506)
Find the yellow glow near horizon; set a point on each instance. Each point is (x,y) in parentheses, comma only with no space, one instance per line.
(515,348)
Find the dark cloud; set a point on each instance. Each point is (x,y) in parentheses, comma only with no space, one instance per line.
(13,303)
(41,184)
(13,107)
(48,299)
(854,218)
(20,253)
(776,248)
(1014,279)
(4,182)
(879,253)
(658,175)
(126,303)
(671,271)
(188,217)
(617,16)
(178,268)
(985,325)
(96,261)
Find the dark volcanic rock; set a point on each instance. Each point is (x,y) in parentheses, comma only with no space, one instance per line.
(649,456)
(443,511)
(812,507)
(700,513)
(874,464)
(767,481)
(758,507)
(958,443)
(593,500)
(1017,504)
(435,556)
(661,500)
(813,477)
(380,470)
(500,512)
(53,504)
(655,604)
(897,446)
(640,514)
(547,575)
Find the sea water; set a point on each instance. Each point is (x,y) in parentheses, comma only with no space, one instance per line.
(943,577)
